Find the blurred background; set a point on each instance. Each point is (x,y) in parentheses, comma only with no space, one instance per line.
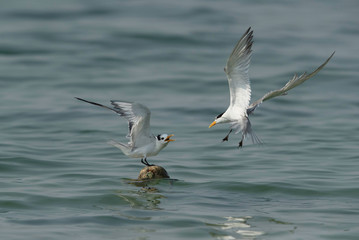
(60,179)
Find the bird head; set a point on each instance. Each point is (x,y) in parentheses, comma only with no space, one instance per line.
(164,138)
(218,119)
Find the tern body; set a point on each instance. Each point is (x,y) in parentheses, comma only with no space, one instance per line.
(142,143)
(239,109)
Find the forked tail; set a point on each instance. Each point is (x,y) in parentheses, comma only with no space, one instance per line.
(247,130)
(123,147)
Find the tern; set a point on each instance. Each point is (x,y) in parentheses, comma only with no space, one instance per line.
(142,143)
(240,108)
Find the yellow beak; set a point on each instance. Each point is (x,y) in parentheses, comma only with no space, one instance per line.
(212,124)
(168,138)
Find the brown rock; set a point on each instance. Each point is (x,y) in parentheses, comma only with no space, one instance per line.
(152,172)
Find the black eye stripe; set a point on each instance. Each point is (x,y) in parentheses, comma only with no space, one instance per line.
(158,137)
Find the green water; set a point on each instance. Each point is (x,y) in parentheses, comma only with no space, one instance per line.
(61,180)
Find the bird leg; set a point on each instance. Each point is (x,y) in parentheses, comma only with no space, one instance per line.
(144,161)
(226,137)
(148,163)
(241,142)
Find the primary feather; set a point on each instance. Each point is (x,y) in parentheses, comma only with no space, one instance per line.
(237,72)
(295,81)
(138,117)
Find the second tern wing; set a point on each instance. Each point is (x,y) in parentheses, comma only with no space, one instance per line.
(295,81)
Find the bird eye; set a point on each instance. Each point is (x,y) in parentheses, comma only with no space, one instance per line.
(162,138)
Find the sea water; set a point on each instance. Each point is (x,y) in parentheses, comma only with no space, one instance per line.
(61,180)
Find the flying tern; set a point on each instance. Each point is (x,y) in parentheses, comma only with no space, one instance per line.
(240,108)
(142,143)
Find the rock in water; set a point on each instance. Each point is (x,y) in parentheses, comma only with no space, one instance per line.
(152,172)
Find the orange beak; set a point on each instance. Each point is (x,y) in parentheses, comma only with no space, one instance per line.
(212,124)
(168,138)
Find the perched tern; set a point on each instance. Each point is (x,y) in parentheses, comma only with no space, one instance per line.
(240,90)
(142,143)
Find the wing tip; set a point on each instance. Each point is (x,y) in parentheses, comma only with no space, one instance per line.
(84,100)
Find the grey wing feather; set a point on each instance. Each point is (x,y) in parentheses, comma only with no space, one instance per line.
(97,104)
(138,117)
(237,71)
(295,81)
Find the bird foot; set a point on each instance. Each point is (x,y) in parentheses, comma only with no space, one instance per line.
(144,161)
(225,139)
(240,144)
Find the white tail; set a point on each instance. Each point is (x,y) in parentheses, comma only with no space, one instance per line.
(123,147)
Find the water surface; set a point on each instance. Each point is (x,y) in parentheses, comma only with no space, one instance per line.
(61,180)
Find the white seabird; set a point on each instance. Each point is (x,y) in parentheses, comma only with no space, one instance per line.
(142,143)
(240,90)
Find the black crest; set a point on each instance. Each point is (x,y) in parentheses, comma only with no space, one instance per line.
(220,115)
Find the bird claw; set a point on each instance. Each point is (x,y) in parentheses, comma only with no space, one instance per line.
(225,139)
(144,161)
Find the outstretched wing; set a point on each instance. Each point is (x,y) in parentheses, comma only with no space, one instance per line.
(138,117)
(237,72)
(295,81)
